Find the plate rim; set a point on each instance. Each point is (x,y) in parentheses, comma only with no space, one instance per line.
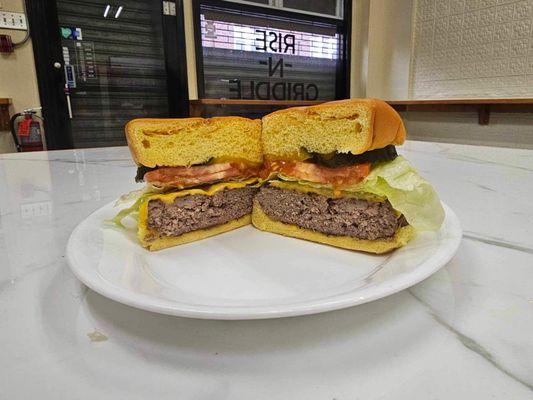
(446,251)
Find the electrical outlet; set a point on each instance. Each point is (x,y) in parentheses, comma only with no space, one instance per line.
(37,209)
(13,20)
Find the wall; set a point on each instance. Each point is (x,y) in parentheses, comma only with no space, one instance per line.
(389,45)
(190,49)
(389,53)
(472,49)
(359,48)
(506,130)
(18,80)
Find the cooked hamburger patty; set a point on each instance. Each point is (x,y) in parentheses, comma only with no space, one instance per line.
(341,217)
(192,212)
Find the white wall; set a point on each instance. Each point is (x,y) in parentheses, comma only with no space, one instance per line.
(389,46)
(507,130)
(388,52)
(18,79)
(359,48)
(472,49)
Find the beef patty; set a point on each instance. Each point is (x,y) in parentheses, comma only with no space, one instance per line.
(193,212)
(357,218)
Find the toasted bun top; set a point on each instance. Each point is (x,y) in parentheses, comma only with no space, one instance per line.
(188,141)
(344,126)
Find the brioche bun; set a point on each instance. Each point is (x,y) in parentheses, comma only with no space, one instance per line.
(188,141)
(345,126)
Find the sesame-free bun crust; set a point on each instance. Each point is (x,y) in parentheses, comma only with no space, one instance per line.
(188,141)
(263,222)
(344,126)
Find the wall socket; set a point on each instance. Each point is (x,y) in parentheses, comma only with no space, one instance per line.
(36,209)
(13,20)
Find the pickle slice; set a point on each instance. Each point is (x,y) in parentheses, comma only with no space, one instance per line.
(336,160)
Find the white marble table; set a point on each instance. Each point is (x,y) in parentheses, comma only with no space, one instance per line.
(464,333)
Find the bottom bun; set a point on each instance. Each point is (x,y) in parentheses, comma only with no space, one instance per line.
(262,221)
(163,242)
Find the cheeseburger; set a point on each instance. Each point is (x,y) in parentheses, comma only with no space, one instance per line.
(201,176)
(334,177)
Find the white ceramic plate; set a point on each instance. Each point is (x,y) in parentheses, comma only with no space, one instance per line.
(246,273)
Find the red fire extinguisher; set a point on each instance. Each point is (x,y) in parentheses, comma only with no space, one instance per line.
(26,130)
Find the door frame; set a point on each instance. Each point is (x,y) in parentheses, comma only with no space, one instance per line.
(46,41)
(176,61)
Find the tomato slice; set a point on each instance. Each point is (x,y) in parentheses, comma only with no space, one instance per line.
(182,177)
(337,177)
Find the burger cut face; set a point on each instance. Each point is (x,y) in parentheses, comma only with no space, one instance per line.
(357,218)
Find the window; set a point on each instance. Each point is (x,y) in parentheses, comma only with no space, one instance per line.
(255,53)
(331,8)
(267,2)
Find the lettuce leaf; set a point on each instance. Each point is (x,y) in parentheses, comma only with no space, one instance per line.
(140,195)
(405,189)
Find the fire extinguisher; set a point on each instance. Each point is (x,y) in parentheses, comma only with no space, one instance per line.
(26,130)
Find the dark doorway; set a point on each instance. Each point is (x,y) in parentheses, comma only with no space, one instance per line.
(101,63)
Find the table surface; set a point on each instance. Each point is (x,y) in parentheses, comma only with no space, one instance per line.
(464,333)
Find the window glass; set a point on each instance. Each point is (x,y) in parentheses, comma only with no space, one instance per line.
(260,1)
(259,56)
(318,6)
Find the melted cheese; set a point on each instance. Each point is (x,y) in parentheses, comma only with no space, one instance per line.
(169,198)
(208,191)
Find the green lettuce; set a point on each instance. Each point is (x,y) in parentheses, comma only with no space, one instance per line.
(407,191)
(139,196)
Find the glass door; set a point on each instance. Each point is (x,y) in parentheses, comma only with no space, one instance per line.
(114,66)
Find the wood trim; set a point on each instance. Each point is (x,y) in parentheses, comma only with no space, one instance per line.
(392,102)
(256,102)
(483,107)
(460,101)
(197,106)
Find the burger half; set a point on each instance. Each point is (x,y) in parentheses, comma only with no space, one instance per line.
(334,177)
(201,177)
